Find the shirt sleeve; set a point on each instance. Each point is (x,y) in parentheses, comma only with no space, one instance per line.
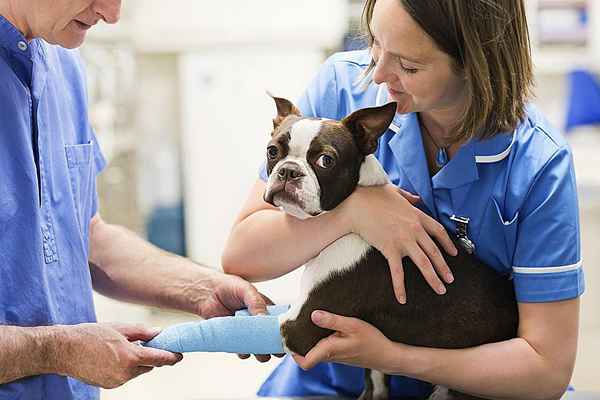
(547,260)
(99,165)
(319,100)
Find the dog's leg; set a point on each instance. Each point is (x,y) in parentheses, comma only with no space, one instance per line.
(443,393)
(367,393)
(376,386)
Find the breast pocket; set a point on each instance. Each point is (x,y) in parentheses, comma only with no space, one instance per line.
(80,160)
(498,236)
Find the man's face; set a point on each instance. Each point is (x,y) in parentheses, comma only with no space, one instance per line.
(66,22)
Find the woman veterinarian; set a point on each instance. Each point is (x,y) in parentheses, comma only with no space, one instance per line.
(466,141)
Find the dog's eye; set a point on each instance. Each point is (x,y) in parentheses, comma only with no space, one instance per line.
(272,152)
(325,161)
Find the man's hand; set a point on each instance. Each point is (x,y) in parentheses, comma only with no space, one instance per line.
(222,294)
(104,355)
(230,293)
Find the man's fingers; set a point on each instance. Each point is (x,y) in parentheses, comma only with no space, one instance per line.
(157,358)
(262,357)
(135,332)
(141,370)
(244,356)
(255,301)
(397,271)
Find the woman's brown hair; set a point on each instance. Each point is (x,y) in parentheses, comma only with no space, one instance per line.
(488,41)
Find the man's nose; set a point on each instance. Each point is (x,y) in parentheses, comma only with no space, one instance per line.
(108,10)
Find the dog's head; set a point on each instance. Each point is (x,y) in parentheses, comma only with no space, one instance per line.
(314,164)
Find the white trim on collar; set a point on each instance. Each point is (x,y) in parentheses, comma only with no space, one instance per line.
(547,270)
(478,159)
(497,157)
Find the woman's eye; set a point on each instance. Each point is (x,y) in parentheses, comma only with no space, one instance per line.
(272,152)
(408,70)
(325,161)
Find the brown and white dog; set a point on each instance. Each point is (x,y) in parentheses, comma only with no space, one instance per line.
(313,165)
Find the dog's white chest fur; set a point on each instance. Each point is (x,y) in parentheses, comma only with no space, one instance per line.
(342,254)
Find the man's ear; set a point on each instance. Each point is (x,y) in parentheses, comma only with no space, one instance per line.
(368,124)
(284,109)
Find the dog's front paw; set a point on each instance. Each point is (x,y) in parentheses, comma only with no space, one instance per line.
(298,332)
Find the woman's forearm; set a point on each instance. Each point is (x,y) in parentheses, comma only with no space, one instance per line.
(506,370)
(269,243)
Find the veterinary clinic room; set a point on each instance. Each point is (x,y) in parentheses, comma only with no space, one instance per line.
(373,199)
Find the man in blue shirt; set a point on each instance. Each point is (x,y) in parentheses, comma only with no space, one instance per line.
(54,246)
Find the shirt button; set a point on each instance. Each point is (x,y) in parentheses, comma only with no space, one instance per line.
(22,45)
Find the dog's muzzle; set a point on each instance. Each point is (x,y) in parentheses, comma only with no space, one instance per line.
(287,174)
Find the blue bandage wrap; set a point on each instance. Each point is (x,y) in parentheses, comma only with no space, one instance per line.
(241,333)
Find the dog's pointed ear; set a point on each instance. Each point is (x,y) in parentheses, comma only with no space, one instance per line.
(284,109)
(368,124)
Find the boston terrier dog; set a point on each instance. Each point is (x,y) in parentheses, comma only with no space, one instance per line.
(313,165)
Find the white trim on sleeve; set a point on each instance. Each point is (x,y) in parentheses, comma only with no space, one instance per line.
(547,270)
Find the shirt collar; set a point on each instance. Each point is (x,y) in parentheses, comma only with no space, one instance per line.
(461,169)
(13,40)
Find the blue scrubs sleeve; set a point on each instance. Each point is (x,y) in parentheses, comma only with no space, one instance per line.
(547,260)
(319,100)
(99,165)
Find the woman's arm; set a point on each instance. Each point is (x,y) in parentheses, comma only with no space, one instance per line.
(266,243)
(538,364)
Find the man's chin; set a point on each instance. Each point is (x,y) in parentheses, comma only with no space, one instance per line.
(69,40)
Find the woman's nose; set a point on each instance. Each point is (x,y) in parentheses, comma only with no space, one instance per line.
(383,71)
(108,10)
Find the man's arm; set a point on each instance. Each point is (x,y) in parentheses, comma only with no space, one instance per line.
(98,354)
(127,268)
(26,351)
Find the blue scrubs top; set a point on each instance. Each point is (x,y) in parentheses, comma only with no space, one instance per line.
(518,189)
(49,160)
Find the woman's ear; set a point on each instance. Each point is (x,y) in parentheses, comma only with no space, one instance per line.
(368,124)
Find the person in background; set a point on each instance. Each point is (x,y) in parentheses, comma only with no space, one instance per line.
(465,143)
(54,246)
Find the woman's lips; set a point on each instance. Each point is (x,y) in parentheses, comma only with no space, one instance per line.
(395,93)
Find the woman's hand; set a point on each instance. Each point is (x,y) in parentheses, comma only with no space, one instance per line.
(354,342)
(385,218)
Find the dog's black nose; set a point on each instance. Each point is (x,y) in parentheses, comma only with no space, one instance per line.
(289,173)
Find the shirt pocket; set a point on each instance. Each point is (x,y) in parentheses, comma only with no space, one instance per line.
(80,160)
(498,236)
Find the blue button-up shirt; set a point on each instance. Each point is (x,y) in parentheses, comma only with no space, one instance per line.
(517,189)
(49,160)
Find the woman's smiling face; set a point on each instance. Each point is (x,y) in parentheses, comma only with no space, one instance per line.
(419,76)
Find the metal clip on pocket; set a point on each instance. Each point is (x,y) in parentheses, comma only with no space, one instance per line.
(462,224)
